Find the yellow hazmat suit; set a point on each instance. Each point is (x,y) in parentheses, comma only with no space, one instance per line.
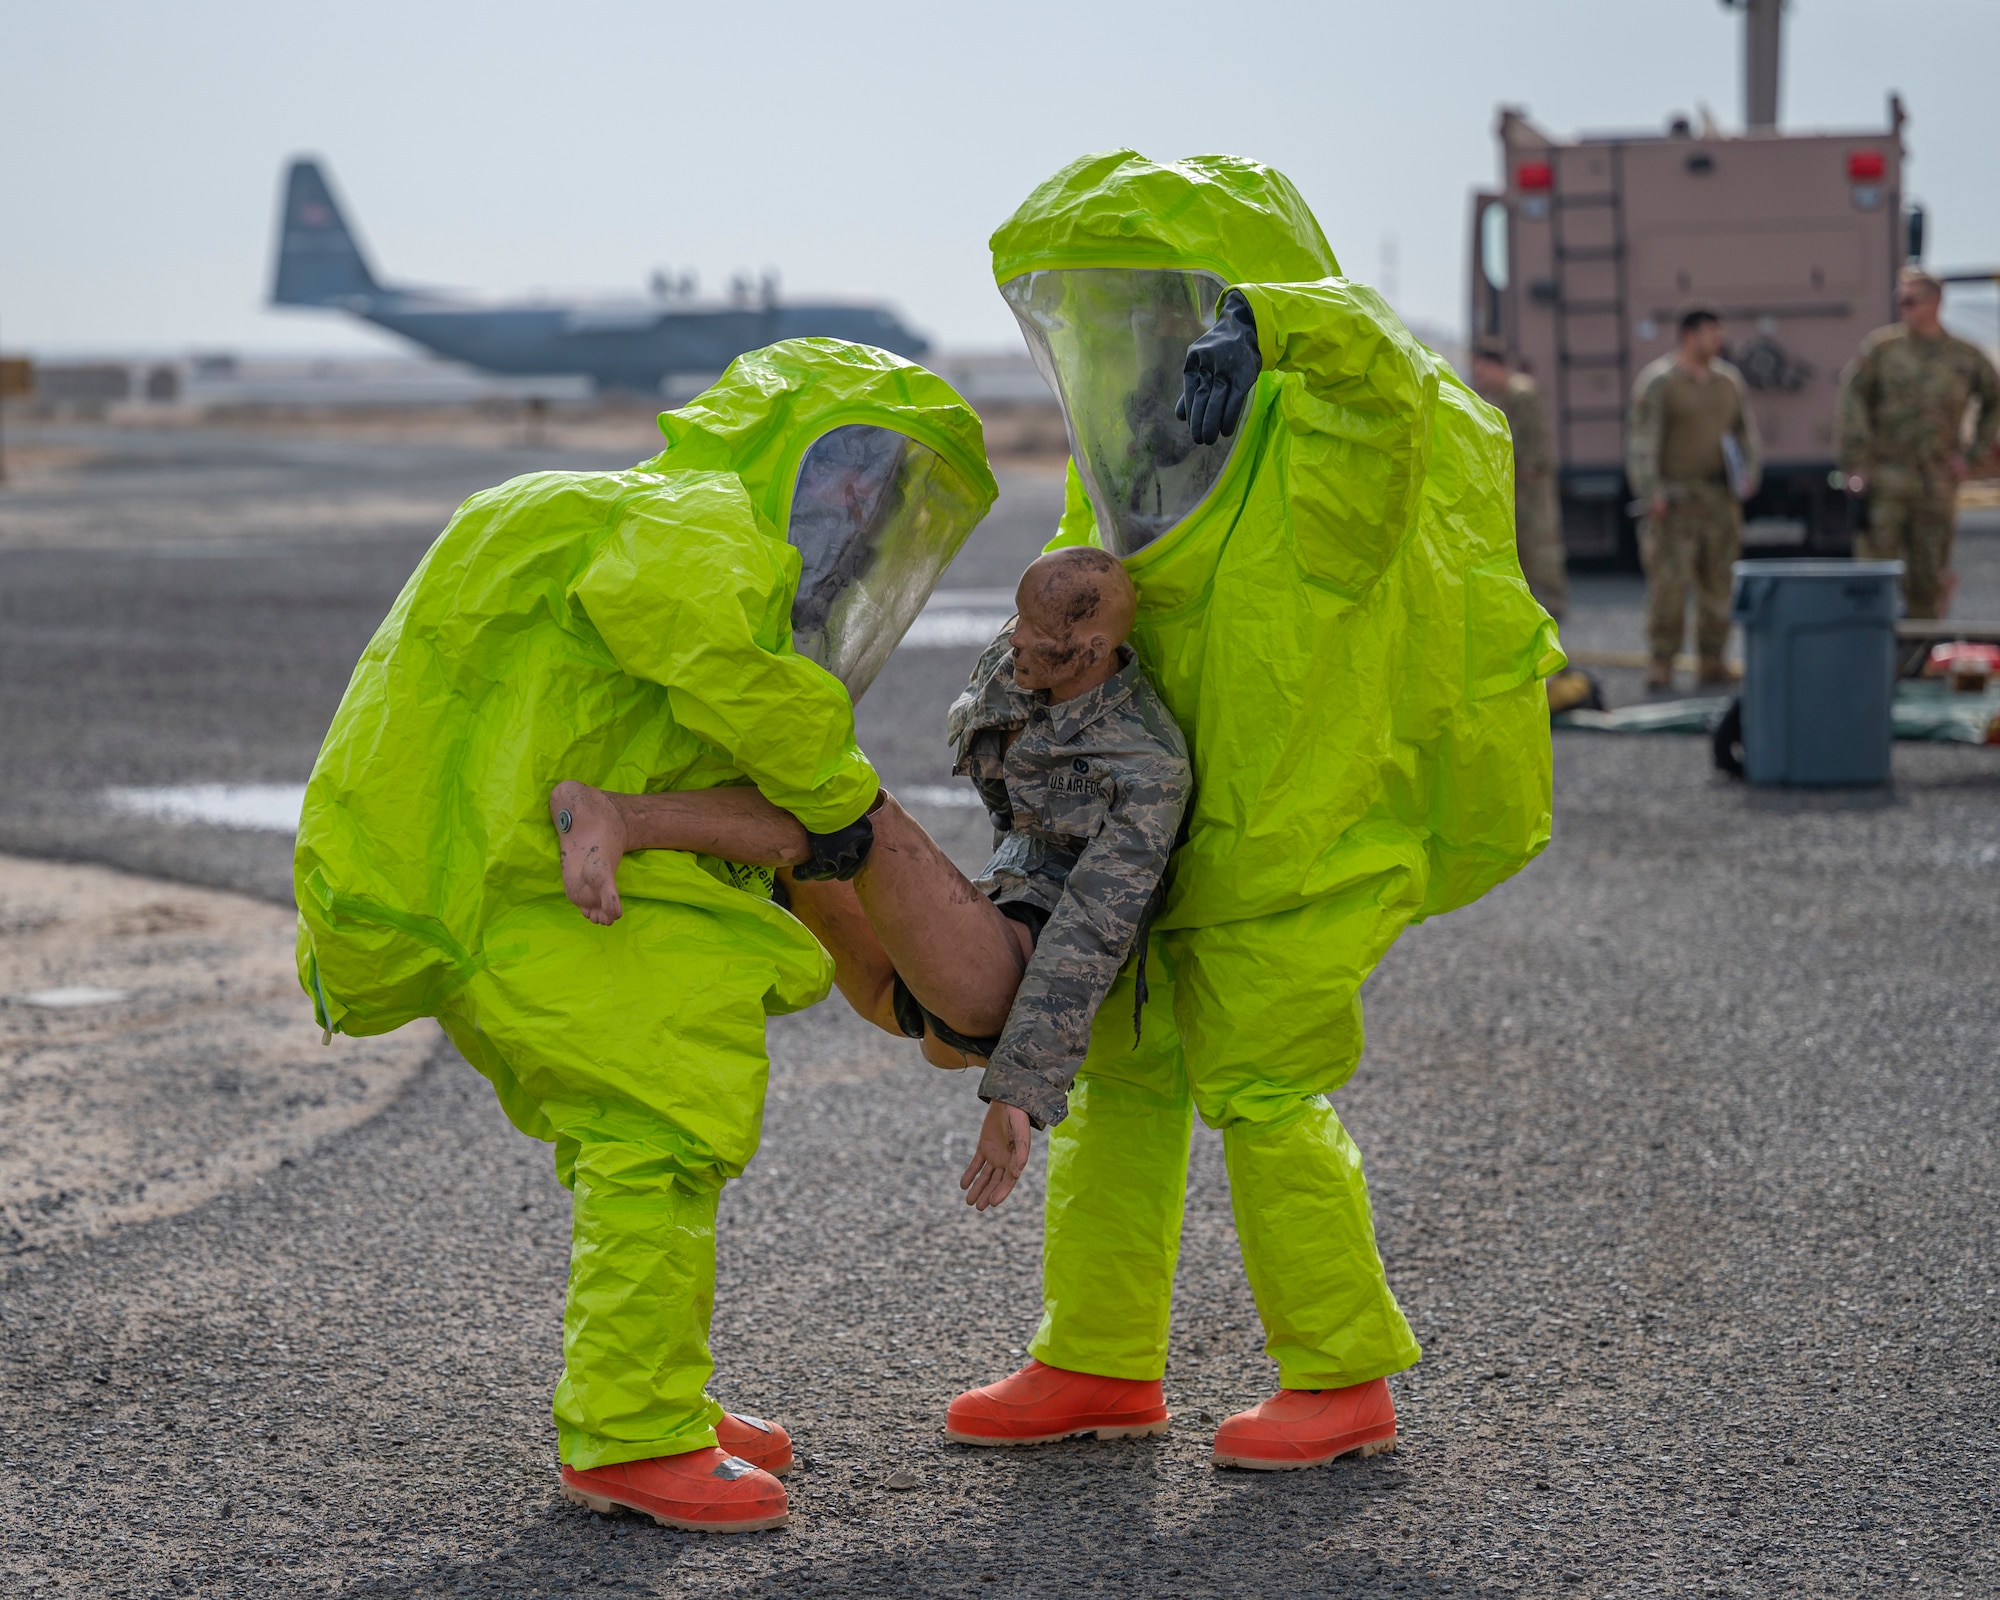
(634,630)
(1331,605)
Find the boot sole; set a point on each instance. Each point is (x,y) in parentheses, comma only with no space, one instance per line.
(606,1507)
(1360,1452)
(1141,1430)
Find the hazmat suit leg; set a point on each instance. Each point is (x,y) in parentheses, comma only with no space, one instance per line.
(635,1323)
(1266,1040)
(639,1049)
(1308,1237)
(1117,1188)
(1270,1030)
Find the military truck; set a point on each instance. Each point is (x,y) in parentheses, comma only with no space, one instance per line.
(1582,255)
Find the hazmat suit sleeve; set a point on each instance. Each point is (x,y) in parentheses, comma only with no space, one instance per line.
(688,592)
(1093,929)
(1359,411)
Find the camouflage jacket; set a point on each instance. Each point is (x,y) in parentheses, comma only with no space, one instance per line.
(1646,426)
(1086,802)
(1520,402)
(1903,403)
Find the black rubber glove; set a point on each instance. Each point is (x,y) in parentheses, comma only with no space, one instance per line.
(1220,371)
(838,854)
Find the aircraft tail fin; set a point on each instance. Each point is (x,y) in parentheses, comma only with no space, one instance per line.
(319,262)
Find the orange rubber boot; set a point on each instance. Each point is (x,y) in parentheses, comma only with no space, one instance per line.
(752,1439)
(1309,1427)
(705,1491)
(1040,1404)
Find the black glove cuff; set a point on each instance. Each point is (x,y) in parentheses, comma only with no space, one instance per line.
(1237,309)
(838,854)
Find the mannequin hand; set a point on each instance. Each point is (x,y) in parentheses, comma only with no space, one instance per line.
(1221,370)
(1005,1138)
(590,830)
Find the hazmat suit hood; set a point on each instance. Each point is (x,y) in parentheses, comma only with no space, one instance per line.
(640,630)
(1114,267)
(1238,219)
(1333,582)
(871,467)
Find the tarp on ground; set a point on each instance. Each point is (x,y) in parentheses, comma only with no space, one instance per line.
(1923,711)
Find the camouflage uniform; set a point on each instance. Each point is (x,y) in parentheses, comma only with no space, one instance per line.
(1697,541)
(1902,419)
(1086,801)
(1537,521)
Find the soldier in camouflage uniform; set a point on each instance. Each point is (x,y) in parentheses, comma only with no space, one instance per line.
(1690,414)
(1085,775)
(1537,519)
(1903,441)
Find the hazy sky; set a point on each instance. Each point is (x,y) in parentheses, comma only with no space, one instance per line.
(858,148)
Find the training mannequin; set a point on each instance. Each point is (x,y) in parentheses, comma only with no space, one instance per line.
(1085,776)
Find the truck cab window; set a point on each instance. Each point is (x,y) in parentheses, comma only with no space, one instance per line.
(1493,243)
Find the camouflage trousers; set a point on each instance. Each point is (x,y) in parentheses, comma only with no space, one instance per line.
(1538,537)
(1694,545)
(1912,522)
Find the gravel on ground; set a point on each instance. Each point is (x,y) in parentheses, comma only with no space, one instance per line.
(1682,1148)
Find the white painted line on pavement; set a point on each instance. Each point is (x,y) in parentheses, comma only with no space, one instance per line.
(274,807)
(948,796)
(269,807)
(939,629)
(79,994)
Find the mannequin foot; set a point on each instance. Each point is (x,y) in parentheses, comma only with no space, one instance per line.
(1040,1404)
(591,836)
(704,1491)
(1308,1428)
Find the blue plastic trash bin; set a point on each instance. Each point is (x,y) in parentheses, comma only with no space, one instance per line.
(1819,670)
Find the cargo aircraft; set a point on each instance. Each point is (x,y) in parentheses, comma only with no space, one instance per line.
(634,344)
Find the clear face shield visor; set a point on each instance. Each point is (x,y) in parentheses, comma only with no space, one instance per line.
(1112,342)
(876,518)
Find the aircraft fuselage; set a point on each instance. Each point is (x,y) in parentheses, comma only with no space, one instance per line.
(618,345)
(623,348)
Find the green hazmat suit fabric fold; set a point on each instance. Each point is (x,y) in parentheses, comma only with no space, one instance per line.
(632,630)
(1342,630)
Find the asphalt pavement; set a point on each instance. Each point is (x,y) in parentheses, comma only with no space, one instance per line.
(1682,1146)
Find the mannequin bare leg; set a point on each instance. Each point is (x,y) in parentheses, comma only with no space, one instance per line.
(909,910)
